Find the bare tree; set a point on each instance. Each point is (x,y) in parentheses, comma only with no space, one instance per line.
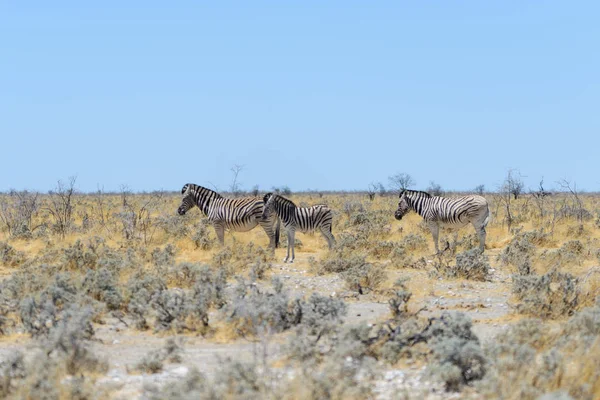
(505,192)
(435,189)
(136,214)
(235,186)
(371,190)
(255,190)
(539,197)
(479,189)
(381,189)
(60,205)
(400,181)
(577,203)
(17,212)
(513,183)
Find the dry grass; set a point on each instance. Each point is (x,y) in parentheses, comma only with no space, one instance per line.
(365,230)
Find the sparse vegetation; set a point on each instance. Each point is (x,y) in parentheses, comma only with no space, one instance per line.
(124,262)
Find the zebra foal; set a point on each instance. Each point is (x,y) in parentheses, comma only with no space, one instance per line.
(304,219)
(453,211)
(238,215)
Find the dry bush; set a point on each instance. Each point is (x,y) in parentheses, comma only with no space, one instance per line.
(239,257)
(63,352)
(536,358)
(254,311)
(154,361)
(470,264)
(18,212)
(364,277)
(551,295)
(9,257)
(202,236)
(102,285)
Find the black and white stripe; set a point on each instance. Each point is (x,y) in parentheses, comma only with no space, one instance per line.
(303,219)
(238,215)
(452,211)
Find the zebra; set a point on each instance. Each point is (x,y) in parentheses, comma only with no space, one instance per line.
(304,219)
(454,211)
(238,215)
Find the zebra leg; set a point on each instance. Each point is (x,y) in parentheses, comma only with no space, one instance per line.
(482,234)
(329,237)
(220,231)
(435,233)
(292,243)
(455,237)
(268,226)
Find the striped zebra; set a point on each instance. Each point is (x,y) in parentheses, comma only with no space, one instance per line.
(453,211)
(238,215)
(304,219)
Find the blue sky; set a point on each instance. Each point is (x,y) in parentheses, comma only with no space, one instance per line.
(312,95)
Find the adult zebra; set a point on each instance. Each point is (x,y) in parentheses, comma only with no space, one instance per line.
(304,219)
(454,211)
(238,215)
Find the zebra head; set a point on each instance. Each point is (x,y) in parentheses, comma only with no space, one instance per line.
(187,201)
(403,206)
(268,206)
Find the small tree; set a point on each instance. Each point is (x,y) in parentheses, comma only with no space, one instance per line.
(400,182)
(479,189)
(381,189)
(60,205)
(580,210)
(17,211)
(371,190)
(512,186)
(435,189)
(235,187)
(540,196)
(255,190)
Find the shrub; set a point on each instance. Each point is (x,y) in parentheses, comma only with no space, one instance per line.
(12,370)
(79,257)
(518,251)
(154,361)
(140,289)
(174,226)
(165,257)
(471,265)
(238,256)
(193,386)
(550,295)
(10,257)
(209,291)
(414,242)
(337,260)
(171,309)
(364,277)
(399,301)
(202,238)
(102,286)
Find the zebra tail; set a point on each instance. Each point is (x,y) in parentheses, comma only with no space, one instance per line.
(277,231)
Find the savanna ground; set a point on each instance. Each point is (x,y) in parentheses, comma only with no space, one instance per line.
(116,296)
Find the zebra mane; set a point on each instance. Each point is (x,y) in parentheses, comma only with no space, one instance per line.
(415,193)
(279,199)
(196,188)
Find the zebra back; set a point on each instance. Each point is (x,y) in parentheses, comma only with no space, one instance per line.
(303,218)
(452,210)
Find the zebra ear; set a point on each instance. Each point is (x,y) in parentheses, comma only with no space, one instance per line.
(267,197)
(402,192)
(185,188)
